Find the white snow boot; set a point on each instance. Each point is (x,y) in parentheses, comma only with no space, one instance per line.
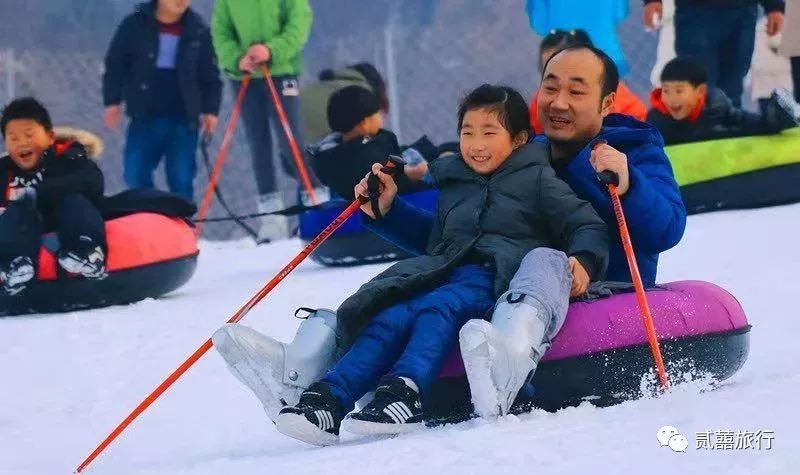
(499,357)
(276,372)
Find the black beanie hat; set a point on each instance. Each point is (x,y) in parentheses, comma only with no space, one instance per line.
(349,106)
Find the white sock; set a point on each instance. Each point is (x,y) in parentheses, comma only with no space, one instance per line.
(410,383)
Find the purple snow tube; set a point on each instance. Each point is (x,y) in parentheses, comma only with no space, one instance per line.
(602,352)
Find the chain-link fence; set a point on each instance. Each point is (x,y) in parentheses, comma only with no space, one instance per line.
(431,52)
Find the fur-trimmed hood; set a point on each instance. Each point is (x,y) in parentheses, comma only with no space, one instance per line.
(92,143)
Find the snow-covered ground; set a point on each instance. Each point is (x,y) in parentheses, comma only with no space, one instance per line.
(66,380)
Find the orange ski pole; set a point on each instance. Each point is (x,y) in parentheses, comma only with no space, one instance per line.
(287,129)
(157,392)
(222,154)
(612,180)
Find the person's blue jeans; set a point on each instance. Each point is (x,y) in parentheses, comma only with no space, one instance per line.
(722,38)
(412,339)
(150,140)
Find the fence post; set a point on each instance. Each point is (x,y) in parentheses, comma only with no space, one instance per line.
(10,66)
(391,73)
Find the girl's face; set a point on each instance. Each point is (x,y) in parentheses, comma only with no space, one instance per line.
(485,144)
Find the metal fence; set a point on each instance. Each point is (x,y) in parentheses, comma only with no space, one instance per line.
(431,52)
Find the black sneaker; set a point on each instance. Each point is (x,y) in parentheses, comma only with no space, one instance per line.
(396,409)
(315,419)
(16,275)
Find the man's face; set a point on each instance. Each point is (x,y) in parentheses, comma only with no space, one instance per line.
(26,141)
(571,108)
(174,7)
(681,97)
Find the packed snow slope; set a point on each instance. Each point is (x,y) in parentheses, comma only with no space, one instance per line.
(66,380)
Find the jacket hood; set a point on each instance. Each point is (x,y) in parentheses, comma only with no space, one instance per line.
(92,144)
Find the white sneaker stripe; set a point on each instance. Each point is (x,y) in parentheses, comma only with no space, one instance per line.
(404,409)
(320,420)
(324,421)
(397,411)
(388,411)
(330,419)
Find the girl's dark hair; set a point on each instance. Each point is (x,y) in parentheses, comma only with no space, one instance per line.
(376,82)
(559,39)
(25,108)
(507,102)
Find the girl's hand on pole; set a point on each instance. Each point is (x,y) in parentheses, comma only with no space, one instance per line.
(387,191)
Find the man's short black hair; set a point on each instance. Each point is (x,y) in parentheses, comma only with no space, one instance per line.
(610,71)
(685,69)
(25,108)
(511,107)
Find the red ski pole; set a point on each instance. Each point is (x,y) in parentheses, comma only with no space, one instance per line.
(222,154)
(287,129)
(157,392)
(612,180)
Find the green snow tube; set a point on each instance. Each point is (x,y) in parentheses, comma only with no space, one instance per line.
(738,173)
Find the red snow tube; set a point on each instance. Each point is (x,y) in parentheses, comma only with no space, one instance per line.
(601,353)
(149,255)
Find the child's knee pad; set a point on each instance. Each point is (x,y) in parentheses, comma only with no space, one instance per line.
(313,349)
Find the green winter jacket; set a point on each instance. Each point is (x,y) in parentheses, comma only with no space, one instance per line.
(283,25)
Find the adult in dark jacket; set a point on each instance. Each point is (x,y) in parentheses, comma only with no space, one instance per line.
(721,34)
(161,64)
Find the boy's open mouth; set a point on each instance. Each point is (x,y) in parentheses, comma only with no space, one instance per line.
(26,155)
(481,158)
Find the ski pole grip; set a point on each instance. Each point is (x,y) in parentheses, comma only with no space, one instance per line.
(393,166)
(607,177)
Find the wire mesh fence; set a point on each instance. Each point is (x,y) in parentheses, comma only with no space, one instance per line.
(430,51)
